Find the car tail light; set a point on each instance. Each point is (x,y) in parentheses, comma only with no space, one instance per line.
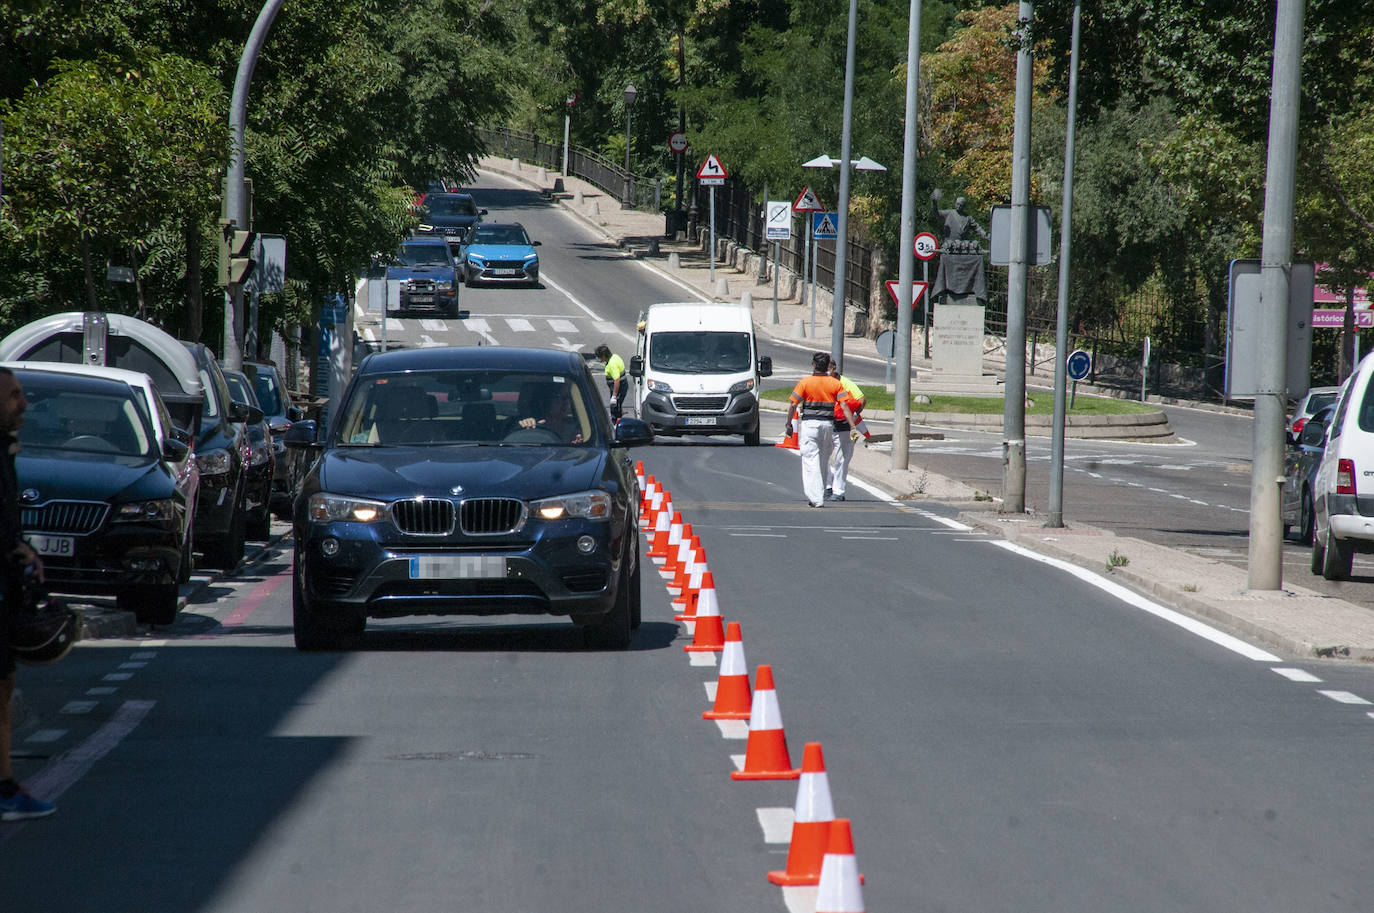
(1345,477)
(1298,423)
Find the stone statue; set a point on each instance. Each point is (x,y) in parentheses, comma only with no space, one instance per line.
(960,273)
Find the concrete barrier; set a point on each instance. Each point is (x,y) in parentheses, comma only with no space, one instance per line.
(722,287)
(799,328)
(674,263)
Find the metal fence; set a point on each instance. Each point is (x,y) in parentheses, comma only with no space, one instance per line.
(643,193)
(740,218)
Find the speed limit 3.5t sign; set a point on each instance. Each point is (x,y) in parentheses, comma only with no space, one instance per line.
(925,245)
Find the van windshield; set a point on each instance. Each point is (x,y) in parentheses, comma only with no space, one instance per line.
(700,353)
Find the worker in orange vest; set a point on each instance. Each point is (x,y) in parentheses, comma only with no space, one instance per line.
(845,434)
(816,398)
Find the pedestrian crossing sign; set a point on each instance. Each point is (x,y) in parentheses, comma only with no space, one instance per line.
(825,225)
(711,173)
(807,201)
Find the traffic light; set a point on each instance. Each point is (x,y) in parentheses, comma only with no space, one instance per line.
(236,251)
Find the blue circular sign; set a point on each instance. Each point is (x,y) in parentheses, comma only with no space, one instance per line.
(1079,363)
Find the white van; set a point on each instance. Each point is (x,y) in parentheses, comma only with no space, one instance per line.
(1343,490)
(697,369)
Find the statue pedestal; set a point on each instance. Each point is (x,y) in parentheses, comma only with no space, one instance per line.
(957,352)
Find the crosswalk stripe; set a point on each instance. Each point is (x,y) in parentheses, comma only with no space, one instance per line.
(519,325)
(562,326)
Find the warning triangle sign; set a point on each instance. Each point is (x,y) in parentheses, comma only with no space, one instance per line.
(918,289)
(711,168)
(807,201)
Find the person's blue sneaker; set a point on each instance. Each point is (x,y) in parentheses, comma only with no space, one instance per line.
(21,805)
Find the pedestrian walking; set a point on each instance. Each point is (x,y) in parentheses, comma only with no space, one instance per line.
(616,384)
(15,803)
(814,401)
(845,435)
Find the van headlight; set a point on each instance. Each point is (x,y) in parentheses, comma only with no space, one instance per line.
(743,386)
(587,505)
(326,507)
(658,386)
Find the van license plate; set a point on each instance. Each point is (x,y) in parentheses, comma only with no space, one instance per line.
(61,546)
(457,567)
(701,420)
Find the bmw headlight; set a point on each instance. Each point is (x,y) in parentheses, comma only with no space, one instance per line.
(743,386)
(214,462)
(262,454)
(424,227)
(658,386)
(161,509)
(326,507)
(587,505)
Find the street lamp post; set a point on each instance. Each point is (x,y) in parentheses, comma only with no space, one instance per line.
(630,95)
(837,306)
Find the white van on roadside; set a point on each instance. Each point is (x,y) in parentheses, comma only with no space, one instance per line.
(1343,495)
(697,370)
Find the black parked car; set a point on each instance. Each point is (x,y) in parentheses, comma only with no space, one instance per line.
(99,498)
(468,481)
(223,452)
(257,477)
(449,214)
(288,465)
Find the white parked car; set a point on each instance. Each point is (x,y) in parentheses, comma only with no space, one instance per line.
(1343,489)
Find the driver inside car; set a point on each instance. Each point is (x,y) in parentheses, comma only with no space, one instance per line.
(552,410)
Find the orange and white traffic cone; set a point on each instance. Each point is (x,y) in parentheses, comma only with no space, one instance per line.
(669,567)
(709,634)
(646,499)
(690,581)
(765,753)
(683,565)
(790,442)
(840,890)
(692,595)
(639,472)
(811,820)
(658,547)
(733,700)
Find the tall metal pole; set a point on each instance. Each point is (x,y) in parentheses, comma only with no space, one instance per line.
(236,190)
(1014,407)
(842,233)
(906,263)
(1276,255)
(1061,326)
(567,132)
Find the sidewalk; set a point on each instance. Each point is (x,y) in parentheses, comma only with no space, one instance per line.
(1294,620)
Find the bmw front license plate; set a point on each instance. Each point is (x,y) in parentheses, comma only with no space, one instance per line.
(457,567)
(61,546)
(701,420)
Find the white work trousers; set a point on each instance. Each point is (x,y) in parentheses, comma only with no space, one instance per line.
(814,443)
(841,452)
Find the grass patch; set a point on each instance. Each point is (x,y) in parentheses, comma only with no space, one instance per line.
(1042,403)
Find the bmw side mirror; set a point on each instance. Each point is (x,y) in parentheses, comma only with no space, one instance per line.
(301,435)
(295,413)
(637,366)
(242,412)
(632,432)
(765,366)
(175,451)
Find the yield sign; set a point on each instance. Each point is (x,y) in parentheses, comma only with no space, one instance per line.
(711,171)
(807,201)
(918,289)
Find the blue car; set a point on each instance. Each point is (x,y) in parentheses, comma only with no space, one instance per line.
(499,252)
(468,481)
(429,281)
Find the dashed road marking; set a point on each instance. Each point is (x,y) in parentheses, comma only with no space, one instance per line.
(1297,675)
(1343,697)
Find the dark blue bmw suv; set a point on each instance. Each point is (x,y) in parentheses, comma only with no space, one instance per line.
(468,481)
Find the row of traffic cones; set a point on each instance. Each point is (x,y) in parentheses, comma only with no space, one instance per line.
(821,851)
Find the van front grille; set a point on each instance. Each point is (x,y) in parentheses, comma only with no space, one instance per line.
(700,403)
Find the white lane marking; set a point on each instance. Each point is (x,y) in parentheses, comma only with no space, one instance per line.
(46,735)
(394,325)
(800,898)
(776,824)
(874,538)
(144,654)
(569,295)
(1343,697)
(77,707)
(429,342)
(368,334)
(702,658)
(1296,675)
(433,325)
(737,730)
(710,691)
(562,326)
(117,677)
(736,759)
(481,328)
(696,293)
(759,535)
(1131,598)
(520,325)
(566,346)
(605,326)
(100,692)
(132,665)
